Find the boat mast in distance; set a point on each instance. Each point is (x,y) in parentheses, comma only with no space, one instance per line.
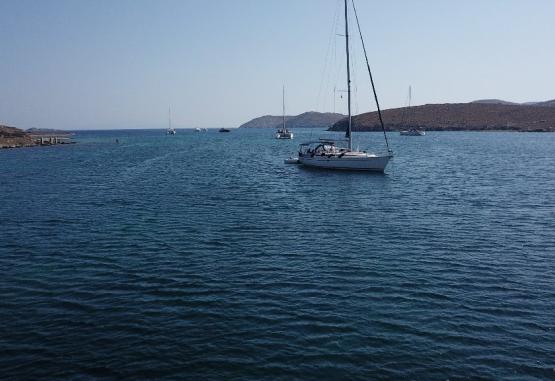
(413,130)
(170,130)
(283,132)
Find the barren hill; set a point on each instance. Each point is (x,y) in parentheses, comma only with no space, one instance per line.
(309,119)
(458,116)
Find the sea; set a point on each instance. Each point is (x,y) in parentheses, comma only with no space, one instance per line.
(202,256)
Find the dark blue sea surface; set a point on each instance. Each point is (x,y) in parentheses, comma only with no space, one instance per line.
(202,256)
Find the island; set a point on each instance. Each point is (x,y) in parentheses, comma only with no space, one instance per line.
(310,119)
(482,115)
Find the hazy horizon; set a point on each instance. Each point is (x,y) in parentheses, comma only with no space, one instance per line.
(102,65)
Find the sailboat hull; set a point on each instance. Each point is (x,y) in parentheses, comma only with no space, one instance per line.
(351,162)
(412,133)
(287,135)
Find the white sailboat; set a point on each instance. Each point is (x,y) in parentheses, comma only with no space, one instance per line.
(413,131)
(170,130)
(283,132)
(332,154)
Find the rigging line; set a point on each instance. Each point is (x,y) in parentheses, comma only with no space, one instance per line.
(354,79)
(354,75)
(371,78)
(333,59)
(326,60)
(404,111)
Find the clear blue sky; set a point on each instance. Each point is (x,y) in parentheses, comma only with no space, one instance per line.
(120,64)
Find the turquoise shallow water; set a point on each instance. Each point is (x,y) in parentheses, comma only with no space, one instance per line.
(203,256)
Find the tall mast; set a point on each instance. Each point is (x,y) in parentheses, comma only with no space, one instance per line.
(349,135)
(283,105)
(410,94)
(169,118)
(334,99)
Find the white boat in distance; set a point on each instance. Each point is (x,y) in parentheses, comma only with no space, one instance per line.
(414,131)
(283,132)
(329,154)
(170,130)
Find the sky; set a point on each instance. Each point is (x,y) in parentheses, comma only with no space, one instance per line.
(99,64)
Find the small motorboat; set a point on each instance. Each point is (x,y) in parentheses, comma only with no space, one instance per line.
(224,130)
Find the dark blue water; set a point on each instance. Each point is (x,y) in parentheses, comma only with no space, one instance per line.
(203,256)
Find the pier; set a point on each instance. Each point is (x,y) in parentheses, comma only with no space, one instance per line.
(52,139)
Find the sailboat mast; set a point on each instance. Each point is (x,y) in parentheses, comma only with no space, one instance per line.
(283,106)
(169,118)
(410,94)
(349,127)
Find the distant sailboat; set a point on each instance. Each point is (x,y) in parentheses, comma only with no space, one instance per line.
(170,130)
(413,131)
(329,154)
(283,132)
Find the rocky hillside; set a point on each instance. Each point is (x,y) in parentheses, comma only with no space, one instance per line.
(309,119)
(47,131)
(459,117)
(266,121)
(11,137)
(550,103)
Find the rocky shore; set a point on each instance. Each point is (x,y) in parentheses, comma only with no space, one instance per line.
(11,137)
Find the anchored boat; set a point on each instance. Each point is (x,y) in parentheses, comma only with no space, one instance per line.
(283,132)
(339,154)
(331,155)
(414,131)
(170,130)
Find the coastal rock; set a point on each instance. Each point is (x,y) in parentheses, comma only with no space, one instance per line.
(11,137)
